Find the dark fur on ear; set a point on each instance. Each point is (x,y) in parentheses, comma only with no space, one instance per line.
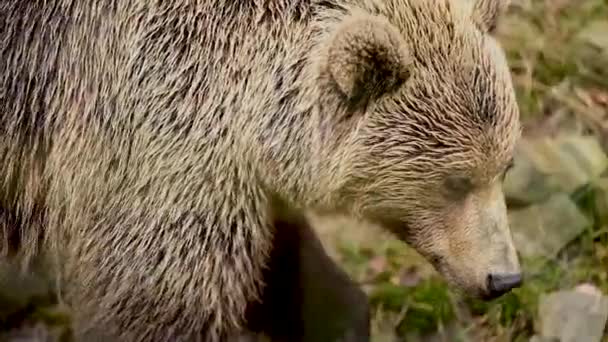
(367,58)
(486,13)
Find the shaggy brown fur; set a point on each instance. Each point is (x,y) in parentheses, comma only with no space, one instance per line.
(141,142)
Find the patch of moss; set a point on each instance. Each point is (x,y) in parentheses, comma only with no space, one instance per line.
(424,307)
(430,306)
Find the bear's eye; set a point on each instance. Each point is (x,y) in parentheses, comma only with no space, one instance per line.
(458,186)
(509,167)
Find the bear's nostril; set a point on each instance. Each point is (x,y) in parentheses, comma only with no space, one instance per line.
(501,283)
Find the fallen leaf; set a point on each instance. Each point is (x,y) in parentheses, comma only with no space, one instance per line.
(599,96)
(589,289)
(409,276)
(377,265)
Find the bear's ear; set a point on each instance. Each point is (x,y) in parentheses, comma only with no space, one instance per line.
(487,13)
(366,58)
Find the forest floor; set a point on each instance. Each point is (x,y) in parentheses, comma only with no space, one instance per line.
(557,196)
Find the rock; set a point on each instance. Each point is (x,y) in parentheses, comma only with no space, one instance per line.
(578,315)
(524,183)
(537,338)
(542,230)
(546,165)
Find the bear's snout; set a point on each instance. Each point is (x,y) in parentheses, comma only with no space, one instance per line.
(499,284)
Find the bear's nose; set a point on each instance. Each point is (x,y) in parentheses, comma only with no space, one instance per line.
(501,283)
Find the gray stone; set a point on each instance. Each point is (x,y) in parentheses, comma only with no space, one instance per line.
(546,165)
(542,230)
(573,316)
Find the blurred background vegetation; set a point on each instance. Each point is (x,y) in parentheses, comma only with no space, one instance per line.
(557,196)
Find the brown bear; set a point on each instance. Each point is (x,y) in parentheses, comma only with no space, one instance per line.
(162,154)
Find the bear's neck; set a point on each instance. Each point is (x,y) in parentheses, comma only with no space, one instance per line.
(298,152)
(298,155)
(295,155)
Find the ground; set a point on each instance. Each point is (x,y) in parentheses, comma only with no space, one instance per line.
(558,52)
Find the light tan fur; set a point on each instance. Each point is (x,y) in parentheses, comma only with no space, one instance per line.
(141,142)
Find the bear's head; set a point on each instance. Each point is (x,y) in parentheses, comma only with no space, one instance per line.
(428,121)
